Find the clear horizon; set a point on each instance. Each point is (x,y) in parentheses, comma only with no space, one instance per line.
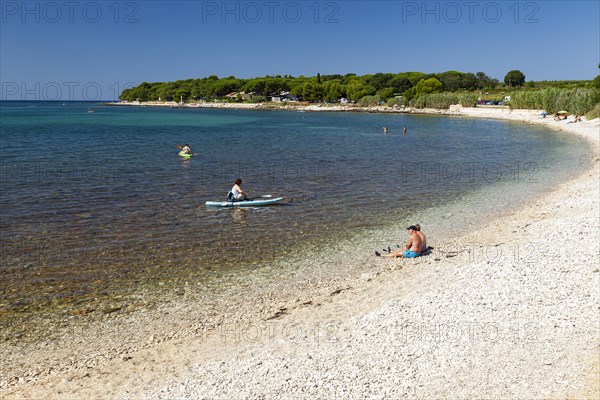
(92,50)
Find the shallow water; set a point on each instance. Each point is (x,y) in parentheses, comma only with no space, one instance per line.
(98,205)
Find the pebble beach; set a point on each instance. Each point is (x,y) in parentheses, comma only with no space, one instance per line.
(510,311)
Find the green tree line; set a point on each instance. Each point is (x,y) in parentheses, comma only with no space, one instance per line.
(319,88)
(416,89)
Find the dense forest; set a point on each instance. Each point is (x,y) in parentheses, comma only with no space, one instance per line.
(329,88)
(416,89)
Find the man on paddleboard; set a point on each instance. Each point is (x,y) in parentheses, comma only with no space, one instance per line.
(186,149)
(237,192)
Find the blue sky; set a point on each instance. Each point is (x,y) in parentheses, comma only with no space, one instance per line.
(71,50)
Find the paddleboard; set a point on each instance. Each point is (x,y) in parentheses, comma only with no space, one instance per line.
(244,203)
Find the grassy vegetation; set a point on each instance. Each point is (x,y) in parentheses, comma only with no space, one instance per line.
(444,100)
(500,92)
(552,99)
(594,112)
(558,84)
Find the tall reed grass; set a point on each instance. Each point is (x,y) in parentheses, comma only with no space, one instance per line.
(594,112)
(575,101)
(444,100)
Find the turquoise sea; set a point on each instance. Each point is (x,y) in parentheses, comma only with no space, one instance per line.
(95,201)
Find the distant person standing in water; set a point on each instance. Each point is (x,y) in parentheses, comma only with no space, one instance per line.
(404,131)
(385,130)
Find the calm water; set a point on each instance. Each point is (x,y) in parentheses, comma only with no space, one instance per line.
(97,203)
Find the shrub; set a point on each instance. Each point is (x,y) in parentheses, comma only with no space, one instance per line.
(467,99)
(369,101)
(258,99)
(398,101)
(444,100)
(594,112)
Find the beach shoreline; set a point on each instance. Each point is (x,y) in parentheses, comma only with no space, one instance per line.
(285,106)
(352,337)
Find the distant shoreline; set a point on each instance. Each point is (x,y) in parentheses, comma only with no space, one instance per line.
(533,117)
(294,106)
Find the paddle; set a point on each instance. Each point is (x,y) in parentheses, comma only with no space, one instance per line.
(267,196)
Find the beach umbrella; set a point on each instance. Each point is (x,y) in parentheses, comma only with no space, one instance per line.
(563,112)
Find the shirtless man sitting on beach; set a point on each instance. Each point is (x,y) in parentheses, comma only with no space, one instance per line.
(423,238)
(414,246)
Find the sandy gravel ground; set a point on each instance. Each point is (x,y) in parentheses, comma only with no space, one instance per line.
(510,312)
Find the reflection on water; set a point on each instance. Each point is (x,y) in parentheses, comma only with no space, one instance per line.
(238,215)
